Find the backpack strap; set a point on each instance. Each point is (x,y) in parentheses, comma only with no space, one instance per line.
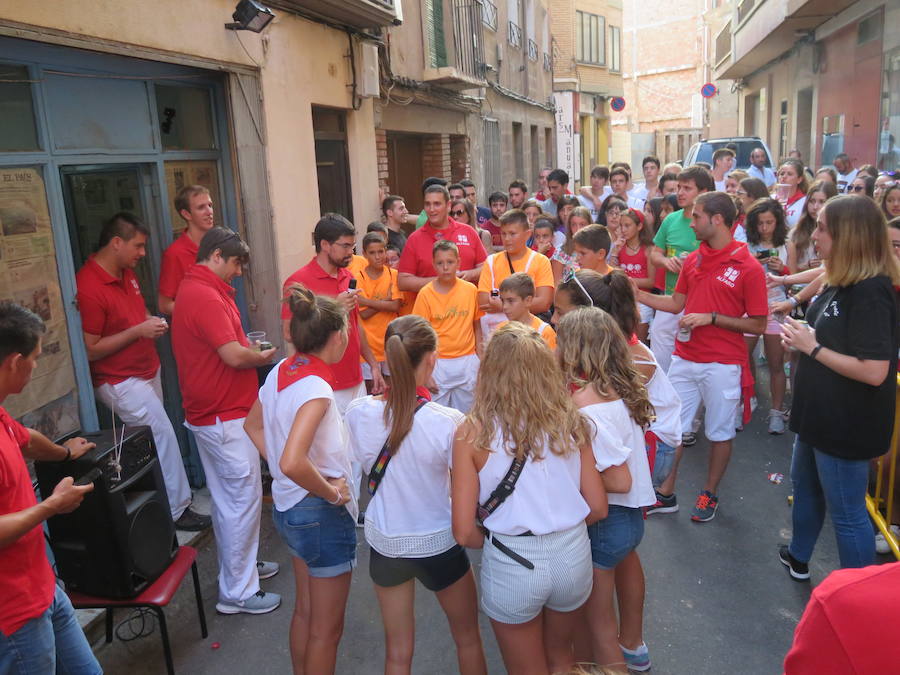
(379,468)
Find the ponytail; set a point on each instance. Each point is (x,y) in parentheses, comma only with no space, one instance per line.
(617,298)
(313,318)
(407,341)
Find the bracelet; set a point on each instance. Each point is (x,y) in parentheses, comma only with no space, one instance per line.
(815,351)
(338,500)
(714,317)
(68,455)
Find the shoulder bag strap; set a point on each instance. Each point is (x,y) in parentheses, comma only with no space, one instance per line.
(501,492)
(379,468)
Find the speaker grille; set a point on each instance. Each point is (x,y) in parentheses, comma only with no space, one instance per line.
(150,526)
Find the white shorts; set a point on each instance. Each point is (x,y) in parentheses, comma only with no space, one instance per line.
(561,580)
(367,370)
(645,312)
(455,380)
(714,385)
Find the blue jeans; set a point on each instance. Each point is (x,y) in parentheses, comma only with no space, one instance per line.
(821,481)
(321,534)
(48,644)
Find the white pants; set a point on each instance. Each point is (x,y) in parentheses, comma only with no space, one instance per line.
(139,401)
(231,463)
(663,329)
(342,399)
(717,386)
(455,380)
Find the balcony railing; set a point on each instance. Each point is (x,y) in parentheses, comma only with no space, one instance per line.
(455,43)
(532,50)
(548,62)
(489,14)
(515,34)
(468,40)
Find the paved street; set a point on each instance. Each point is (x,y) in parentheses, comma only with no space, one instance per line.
(718,600)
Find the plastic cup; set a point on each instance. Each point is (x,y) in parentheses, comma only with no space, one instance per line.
(255,338)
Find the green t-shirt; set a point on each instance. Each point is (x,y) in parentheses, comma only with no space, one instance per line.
(675,236)
(422,219)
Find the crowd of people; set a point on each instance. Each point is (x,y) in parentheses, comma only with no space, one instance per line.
(520,378)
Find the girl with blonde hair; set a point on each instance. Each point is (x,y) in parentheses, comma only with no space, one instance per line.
(403,441)
(523,464)
(608,389)
(843,408)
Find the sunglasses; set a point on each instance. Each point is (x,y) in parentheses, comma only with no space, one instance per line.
(569,275)
(858,188)
(457,214)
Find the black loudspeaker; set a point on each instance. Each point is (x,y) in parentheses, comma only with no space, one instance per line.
(122,536)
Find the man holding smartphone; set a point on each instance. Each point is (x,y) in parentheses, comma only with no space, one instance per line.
(326,274)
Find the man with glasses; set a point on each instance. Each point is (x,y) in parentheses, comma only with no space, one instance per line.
(326,274)
(217,374)
(758,168)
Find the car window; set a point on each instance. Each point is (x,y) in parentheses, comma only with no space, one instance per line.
(706,149)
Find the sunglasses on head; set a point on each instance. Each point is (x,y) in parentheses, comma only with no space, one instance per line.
(570,275)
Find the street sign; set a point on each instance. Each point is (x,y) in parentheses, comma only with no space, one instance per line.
(617,104)
(709,90)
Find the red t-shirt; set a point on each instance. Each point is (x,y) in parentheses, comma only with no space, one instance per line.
(178,258)
(417,257)
(850,624)
(27,583)
(108,306)
(205,318)
(635,266)
(347,372)
(494,231)
(729,281)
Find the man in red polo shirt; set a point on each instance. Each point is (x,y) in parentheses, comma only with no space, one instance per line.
(195,206)
(217,373)
(119,334)
(416,268)
(722,290)
(37,622)
(326,274)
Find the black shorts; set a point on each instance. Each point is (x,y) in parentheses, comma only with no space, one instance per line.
(436,572)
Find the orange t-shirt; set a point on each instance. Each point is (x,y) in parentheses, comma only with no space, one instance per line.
(358,263)
(545,330)
(383,288)
(496,269)
(452,315)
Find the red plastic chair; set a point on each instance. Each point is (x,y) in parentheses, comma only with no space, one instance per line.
(155,597)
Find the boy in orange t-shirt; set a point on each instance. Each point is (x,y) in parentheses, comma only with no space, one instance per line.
(450,305)
(379,299)
(516,257)
(517,295)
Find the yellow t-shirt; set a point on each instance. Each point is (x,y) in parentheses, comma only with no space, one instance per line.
(496,269)
(452,315)
(383,288)
(358,263)
(545,330)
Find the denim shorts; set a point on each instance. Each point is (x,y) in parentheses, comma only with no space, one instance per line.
(615,536)
(320,534)
(663,462)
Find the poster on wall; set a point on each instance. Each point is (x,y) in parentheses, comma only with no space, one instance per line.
(28,276)
(192,172)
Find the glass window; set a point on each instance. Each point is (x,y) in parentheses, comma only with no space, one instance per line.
(590,38)
(18,130)
(889,138)
(615,48)
(185,118)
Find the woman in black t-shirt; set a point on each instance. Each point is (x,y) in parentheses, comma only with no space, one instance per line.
(843,409)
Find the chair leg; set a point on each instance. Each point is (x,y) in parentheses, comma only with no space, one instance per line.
(109,625)
(164,632)
(200,612)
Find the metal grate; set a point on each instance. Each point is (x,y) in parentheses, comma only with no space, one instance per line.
(532,50)
(493,173)
(468,39)
(489,14)
(548,62)
(515,34)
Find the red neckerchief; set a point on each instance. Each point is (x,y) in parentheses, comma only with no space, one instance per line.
(633,340)
(422,392)
(798,195)
(299,366)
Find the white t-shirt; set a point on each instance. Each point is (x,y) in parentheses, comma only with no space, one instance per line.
(666,402)
(409,516)
(794,212)
(589,205)
(621,437)
(844,180)
(330,448)
(547,497)
(720,185)
(765,174)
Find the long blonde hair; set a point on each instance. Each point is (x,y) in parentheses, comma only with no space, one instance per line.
(860,243)
(592,350)
(521,396)
(407,340)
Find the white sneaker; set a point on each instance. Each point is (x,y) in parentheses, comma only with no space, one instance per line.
(881,544)
(260,603)
(777,422)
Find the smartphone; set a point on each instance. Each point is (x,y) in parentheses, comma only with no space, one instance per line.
(495,293)
(763,255)
(353,284)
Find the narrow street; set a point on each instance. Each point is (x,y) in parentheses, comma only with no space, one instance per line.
(718,599)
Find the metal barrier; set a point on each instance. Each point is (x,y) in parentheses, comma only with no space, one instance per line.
(875,503)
